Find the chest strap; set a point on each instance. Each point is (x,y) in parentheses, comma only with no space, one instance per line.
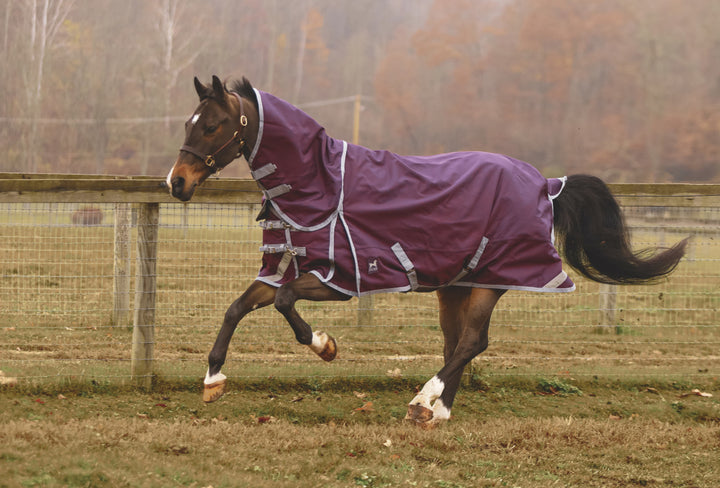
(276,191)
(263,171)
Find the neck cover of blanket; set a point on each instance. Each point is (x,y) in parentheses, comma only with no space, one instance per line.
(367,221)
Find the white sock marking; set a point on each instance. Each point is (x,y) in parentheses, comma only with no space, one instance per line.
(209,380)
(319,341)
(440,411)
(430,392)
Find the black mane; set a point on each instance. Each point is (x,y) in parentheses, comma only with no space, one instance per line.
(244,89)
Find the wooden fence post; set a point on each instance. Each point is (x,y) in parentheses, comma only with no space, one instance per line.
(607,305)
(121,266)
(145,285)
(366,310)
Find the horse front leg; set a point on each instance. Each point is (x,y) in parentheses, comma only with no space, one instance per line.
(308,287)
(465,320)
(258,295)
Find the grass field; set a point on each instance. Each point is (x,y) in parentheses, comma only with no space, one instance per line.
(567,394)
(518,432)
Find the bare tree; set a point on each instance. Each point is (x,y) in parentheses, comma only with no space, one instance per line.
(44,19)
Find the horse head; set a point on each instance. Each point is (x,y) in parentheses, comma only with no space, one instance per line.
(215,135)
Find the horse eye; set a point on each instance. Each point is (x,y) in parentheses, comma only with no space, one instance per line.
(210,129)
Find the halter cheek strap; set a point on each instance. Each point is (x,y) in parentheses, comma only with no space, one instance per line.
(209,159)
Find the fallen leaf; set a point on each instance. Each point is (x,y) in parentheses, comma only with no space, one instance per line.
(368,407)
(359,395)
(387,443)
(61,397)
(297,399)
(266,419)
(614,417)
(696,392)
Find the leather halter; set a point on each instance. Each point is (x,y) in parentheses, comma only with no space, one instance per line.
(209,159)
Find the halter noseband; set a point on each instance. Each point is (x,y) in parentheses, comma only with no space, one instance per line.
(209,159)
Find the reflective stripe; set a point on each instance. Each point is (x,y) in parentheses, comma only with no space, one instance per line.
(407,264)
(263,171)
(274,224)
(276,191)
(278,248)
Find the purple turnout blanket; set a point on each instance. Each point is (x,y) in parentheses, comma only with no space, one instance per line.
(368,221)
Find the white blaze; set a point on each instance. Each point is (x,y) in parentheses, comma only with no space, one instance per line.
(169,177)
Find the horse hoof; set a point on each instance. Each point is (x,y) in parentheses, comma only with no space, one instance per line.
(324,346)
(329,351)
(419,414)
(214,391)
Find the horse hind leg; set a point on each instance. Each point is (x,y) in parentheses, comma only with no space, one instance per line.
(427,406)
(465,320)
(258,295)
(308,287)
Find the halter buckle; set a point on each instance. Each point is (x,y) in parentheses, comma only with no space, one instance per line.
(210,161)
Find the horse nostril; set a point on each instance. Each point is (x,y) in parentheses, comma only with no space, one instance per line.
(178,184)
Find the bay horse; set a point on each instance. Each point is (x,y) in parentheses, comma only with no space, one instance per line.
(340,220)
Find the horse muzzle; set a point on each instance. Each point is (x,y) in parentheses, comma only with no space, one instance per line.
(180,188)
(183,179)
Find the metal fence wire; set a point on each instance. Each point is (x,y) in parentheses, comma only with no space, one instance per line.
(69,290)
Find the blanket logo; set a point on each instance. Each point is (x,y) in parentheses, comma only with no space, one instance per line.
(373,265)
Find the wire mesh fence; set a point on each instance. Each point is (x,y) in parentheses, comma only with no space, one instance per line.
(68,293)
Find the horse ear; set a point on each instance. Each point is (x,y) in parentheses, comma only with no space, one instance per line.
(200,89)
(218,88)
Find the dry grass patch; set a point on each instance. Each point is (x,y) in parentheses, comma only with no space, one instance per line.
(308,435)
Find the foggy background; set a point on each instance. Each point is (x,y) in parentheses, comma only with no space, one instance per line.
(628,90)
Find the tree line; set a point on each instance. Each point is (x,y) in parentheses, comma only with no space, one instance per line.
(626,89)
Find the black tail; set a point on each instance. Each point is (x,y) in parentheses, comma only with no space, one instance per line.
(592,235)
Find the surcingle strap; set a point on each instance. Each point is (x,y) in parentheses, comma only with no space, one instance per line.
(282,248)
(263,171)
(407,264)
(470,267)
(276,191)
